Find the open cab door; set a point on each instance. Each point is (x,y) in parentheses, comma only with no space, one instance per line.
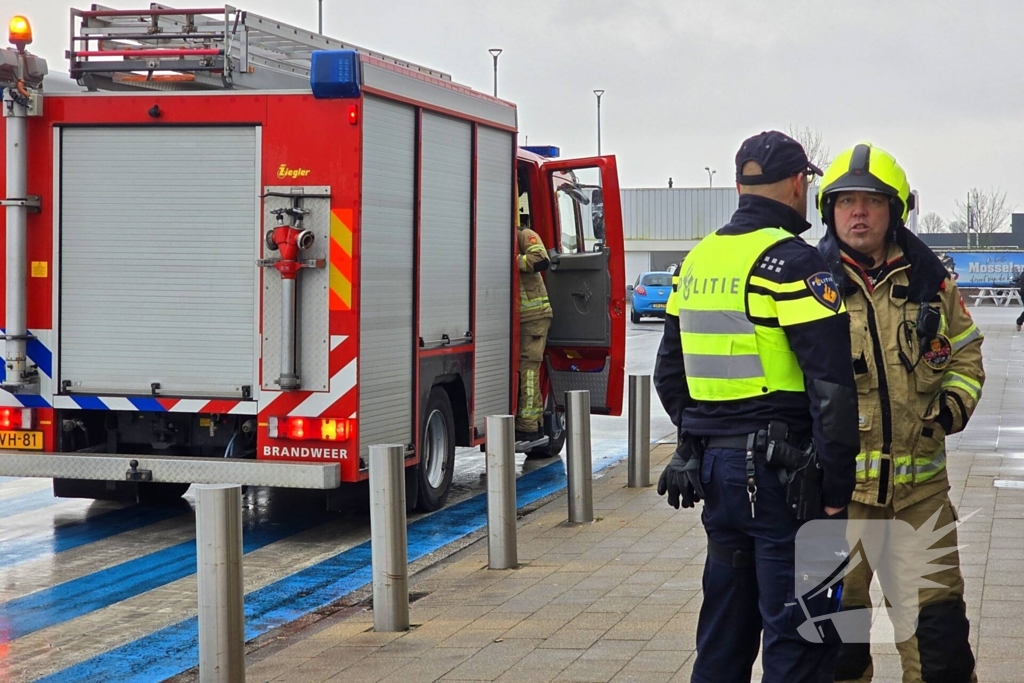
(586,346)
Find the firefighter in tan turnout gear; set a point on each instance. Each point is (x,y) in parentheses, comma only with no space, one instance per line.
(916,356)
(534,320)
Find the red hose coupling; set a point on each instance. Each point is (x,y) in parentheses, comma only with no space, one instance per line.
(289,241)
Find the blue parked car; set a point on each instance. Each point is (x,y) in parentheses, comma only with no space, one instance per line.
(649,295)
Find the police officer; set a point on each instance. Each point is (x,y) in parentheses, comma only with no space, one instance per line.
(756,340)
(916,356)
(534,321)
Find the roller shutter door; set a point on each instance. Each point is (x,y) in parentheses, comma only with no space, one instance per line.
(158,279)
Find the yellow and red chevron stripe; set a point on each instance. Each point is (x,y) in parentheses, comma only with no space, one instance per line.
(342,397)
(341,260)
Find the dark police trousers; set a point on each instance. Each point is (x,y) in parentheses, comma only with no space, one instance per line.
(739,599)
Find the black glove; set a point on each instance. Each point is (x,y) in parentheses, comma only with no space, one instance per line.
(681,477)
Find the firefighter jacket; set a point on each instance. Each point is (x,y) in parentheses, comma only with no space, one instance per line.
(532,260)
(912,391)
(755,331)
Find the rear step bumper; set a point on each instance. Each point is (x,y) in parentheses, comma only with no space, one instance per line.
(523,446)
(170,469)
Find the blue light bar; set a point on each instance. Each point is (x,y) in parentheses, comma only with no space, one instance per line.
(334,74)
(544,150)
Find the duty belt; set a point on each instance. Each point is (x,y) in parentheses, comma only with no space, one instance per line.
(738,441)
(757,441)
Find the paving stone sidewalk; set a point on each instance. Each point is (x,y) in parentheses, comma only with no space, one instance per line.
(617,600)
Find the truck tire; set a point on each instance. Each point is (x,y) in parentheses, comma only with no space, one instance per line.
(437,452)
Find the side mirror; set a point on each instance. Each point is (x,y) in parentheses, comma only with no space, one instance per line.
(629,289)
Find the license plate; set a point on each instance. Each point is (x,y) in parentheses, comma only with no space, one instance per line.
(21,441)
(657,305)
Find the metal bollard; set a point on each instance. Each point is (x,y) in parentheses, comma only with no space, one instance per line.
(502,551)
(639,475)
(581,484)
(388,541)
(221,598)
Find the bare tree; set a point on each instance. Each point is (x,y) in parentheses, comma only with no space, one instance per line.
(956,225)
(989,211)
(931,222)
(810,139)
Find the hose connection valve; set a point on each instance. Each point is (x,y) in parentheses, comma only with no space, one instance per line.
(288,241)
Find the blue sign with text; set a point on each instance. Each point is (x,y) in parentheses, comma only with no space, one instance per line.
(983,268)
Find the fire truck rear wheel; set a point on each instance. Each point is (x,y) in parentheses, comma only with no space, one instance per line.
(437,452)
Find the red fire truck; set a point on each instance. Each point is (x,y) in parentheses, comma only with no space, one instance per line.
(246,252)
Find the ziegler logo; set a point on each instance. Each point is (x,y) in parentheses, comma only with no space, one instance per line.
(284,172)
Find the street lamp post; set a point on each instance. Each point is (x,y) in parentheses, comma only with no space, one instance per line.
(320,25)
(711,172)
(495,51)
(599,93)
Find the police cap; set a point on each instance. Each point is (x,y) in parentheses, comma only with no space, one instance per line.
(778,155)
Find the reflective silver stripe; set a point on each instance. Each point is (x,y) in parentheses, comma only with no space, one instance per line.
(714,322)
(974,334)
(938,462)
(722,367)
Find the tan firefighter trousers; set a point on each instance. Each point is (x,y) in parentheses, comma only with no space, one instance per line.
(924,599)
(532,339)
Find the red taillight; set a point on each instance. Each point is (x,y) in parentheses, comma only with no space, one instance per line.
(641,290)
(16,418)
(353,114)
(310,428)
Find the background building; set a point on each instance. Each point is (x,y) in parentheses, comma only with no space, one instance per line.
(662,224)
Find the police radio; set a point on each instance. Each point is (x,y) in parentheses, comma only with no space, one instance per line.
(928,321)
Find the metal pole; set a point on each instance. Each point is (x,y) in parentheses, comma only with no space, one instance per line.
(388,542)
(599,93)
(288,379)
(221,600)
(581,492)
(502,552)
(639,475)
(495,51)
(17,188)
(969,221)
(320,25)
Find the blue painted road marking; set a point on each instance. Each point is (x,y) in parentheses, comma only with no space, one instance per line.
(76,534)
(61,603)
(174,649)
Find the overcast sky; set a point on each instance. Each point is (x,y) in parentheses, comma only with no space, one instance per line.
(937,83)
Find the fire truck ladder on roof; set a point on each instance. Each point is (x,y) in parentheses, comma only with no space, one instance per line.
(163,48)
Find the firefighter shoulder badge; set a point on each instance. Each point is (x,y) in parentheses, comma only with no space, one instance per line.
(939,352)
(824,289)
